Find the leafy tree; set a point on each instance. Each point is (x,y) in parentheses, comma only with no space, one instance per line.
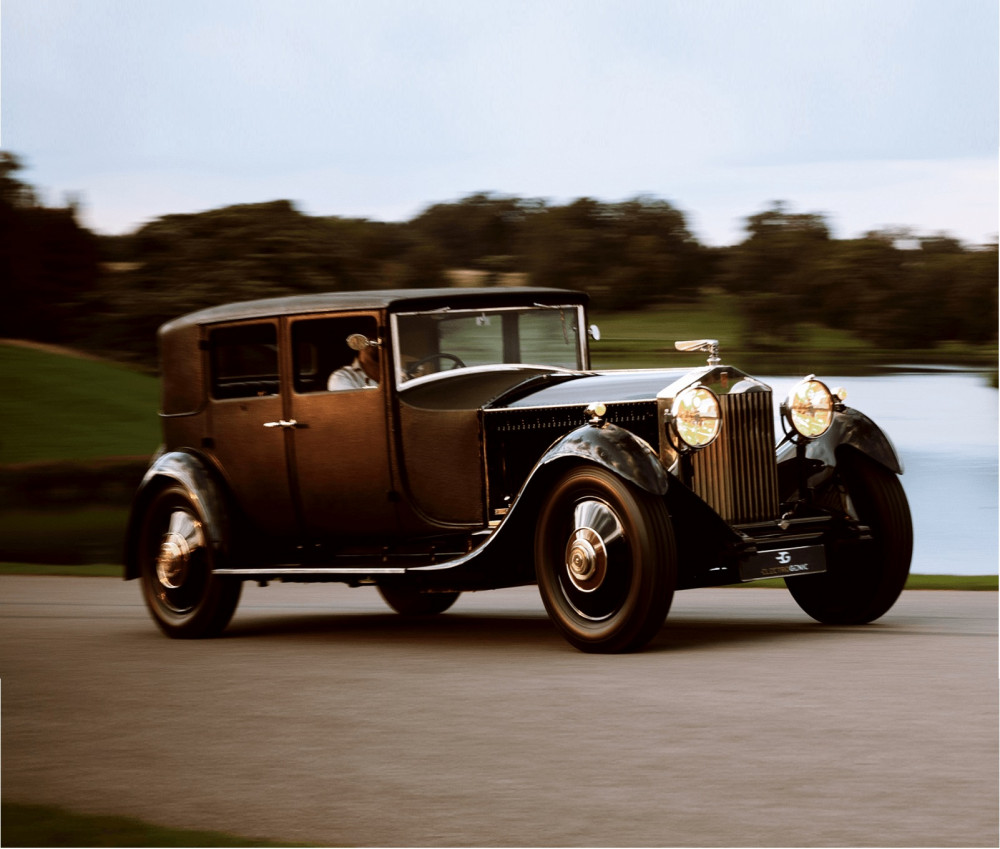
(479,226)
(774,270)
(892,287)
(49,264)
(624,255)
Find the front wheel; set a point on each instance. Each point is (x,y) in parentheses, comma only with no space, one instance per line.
(175,561)
(863,578)
(605,560)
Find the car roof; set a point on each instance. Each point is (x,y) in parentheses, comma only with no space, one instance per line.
(399,300)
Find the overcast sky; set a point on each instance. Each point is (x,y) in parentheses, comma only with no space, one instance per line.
(874,113)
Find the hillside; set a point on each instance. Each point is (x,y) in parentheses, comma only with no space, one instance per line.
(60,407)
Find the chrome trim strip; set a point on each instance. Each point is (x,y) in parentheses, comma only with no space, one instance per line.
(278,571)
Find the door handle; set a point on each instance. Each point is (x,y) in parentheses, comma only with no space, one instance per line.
(282,423)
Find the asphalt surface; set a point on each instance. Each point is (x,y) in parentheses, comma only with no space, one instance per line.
(320,716)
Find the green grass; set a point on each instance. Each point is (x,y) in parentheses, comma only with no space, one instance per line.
(914,582)
(645,339)
(44,825)
(56,407)
(952,582)
(82,570)
(83,535)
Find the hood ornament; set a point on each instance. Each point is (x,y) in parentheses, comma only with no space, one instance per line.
(710,346)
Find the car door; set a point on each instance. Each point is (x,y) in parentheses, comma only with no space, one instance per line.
(341,453)
(246,416)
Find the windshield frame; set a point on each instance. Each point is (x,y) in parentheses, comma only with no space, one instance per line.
(577,311)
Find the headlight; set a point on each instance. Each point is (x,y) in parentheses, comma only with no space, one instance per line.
(809,408)
(696,417)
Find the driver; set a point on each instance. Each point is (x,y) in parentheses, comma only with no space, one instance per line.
(361,374)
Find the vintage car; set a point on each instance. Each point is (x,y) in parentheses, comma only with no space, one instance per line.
(433,442)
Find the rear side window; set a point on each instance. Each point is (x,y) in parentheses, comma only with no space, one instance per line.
(244,361)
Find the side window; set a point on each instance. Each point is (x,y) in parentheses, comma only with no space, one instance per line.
(244,361)
(321,351)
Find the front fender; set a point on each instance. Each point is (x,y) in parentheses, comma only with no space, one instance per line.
(202,489)
(614,448)
(853,428)
(507,557)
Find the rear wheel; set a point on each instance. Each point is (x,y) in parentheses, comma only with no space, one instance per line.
(605,561)
(175,561)
(411,602)
(863,579)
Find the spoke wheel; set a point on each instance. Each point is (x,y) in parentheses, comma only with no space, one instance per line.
(605,561)
(863,579)
(184,597)
(411,602)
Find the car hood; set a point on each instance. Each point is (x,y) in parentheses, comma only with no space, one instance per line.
(608,387)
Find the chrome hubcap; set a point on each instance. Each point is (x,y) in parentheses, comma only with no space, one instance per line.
(182,539)
(595,527)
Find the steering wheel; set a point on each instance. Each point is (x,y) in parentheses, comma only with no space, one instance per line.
(440,355)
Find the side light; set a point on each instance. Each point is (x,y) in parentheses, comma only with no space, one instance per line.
(809,408)
(595,413)
(696,416)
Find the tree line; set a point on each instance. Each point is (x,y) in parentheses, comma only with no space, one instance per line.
(110,293)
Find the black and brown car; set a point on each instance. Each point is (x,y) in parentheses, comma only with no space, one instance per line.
(434,442)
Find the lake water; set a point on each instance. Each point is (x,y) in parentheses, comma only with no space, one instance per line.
(944,426)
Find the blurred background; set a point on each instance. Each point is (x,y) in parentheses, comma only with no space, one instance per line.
(815,185)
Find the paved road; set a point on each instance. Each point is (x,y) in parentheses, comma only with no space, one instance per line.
(322,717)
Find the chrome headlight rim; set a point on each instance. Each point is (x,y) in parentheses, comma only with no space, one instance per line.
(809,407)
(695,419)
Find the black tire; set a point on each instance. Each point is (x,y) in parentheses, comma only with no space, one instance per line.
(411,602)
(863,579)
(175,563)
(605,561)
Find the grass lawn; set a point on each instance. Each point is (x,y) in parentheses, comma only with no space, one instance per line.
(44,825)
(915,582)
(82,535)
(57,407)
(645,339)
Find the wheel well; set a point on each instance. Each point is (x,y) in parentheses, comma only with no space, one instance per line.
(206,491)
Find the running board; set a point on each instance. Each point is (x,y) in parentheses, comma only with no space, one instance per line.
(282,571)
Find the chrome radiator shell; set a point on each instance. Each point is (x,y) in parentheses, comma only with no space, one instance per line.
(737,474)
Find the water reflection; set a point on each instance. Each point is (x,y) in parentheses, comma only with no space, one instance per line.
(944,425)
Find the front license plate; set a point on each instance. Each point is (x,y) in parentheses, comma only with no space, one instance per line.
(782,562)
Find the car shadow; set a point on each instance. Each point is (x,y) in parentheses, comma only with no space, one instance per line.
(526,631)
(452,628)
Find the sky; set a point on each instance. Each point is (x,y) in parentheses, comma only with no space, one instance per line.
(872,113)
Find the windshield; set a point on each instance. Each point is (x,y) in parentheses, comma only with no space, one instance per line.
(429,343)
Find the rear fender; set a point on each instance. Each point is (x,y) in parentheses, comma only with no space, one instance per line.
(202,489)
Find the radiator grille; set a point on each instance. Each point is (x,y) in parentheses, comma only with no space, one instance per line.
(737,474)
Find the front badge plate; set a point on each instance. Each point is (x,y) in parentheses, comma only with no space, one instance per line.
(783,562)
